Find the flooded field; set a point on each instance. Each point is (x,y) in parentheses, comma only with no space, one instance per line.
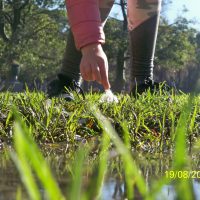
(59,158)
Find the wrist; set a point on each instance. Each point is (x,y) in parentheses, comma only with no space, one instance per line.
(90,48)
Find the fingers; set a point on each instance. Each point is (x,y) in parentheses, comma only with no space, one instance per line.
(96,75)
(86,72)
(104,74)
(90,72)
(94,65)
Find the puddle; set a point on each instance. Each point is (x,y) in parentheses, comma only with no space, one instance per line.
(114,188)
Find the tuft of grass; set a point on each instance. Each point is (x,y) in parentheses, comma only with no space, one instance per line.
(78,168)
(151,119)
(132,173)
(27,158)
(183,185)
(181,164)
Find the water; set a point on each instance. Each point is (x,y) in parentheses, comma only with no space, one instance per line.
(112,189)
(152,166)
(9,178)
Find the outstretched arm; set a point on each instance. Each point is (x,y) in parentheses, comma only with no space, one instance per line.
(85,22)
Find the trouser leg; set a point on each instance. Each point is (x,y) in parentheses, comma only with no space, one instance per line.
(71,59)
(72,56)
(143,20)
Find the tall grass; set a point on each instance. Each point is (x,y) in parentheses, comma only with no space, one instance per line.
(180,161)
(78,167)
(132,173)
(29,159)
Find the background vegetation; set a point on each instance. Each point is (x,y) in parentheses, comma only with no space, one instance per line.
(33,32)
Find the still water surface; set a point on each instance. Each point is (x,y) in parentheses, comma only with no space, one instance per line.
(167,193)
(151,166)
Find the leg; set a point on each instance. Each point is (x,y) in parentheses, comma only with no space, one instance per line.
(143,19)
(71,59)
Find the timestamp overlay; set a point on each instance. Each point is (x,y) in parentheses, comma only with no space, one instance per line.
(175,174)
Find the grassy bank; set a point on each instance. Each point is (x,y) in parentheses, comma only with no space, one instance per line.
(150,119)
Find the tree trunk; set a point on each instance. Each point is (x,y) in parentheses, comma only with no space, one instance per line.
(120,72)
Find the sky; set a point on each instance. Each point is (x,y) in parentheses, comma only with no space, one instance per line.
(175,9)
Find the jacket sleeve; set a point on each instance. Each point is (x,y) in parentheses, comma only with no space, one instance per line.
(85,22)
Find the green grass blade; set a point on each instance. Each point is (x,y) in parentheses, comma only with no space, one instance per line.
(103,159)
(19,193)
(132,172)
(26,174)
(126,134)
(27,149)
(192,121)
(180,162)
(78,168)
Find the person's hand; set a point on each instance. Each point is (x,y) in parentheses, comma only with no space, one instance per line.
(94,65)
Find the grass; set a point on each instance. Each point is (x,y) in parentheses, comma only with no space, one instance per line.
(155,124)
(150,119)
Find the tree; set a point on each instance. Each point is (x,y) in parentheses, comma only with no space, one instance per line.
(176,44)
(32,32)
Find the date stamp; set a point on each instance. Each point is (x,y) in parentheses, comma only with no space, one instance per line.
(172,174)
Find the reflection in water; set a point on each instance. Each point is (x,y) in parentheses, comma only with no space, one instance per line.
(111,188)
(152,167)
(118,192)
(9,178)
(167,192)
(197,189)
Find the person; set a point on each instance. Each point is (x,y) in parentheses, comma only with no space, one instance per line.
(84,55)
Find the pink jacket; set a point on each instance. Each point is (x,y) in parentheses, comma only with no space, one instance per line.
(85,22)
